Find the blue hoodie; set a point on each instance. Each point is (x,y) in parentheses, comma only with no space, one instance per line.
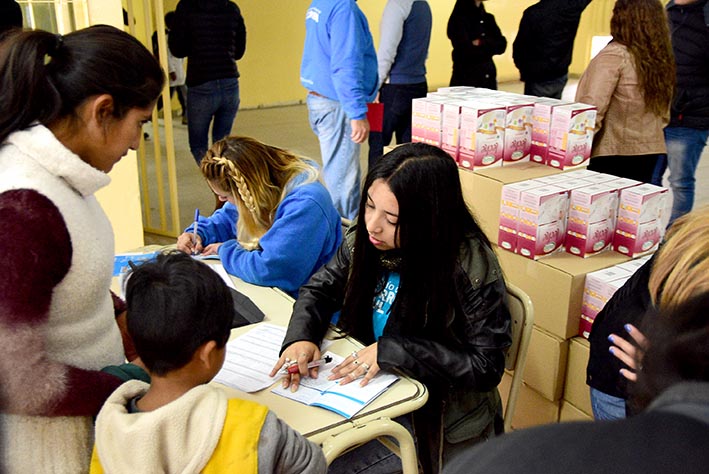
(339,61)
(306,233)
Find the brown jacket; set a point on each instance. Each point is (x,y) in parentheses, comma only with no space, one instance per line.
(623,126)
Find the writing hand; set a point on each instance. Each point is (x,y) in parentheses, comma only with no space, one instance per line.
(185,243)
(361,363)
(300,352)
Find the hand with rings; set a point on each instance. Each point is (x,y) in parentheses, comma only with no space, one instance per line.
(361,364)
(299,353)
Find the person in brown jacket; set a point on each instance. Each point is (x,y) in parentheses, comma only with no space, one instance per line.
(630,82)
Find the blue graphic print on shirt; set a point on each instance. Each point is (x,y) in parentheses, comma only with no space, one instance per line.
(382,304)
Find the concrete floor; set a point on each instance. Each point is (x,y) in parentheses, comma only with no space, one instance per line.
(288,127)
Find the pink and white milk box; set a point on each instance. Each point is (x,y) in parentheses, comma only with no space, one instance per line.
(541,127)
(640,229)
(541,227)
(599,287)
(518,129)
(571,135)
(509,213)
(592,217)
(426,116)
(418,120)
(450,134)
(482,134)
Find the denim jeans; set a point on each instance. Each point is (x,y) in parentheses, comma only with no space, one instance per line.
(340,155)
(684,148)
(218,100)
(552,88)
(606,407)
(397,116)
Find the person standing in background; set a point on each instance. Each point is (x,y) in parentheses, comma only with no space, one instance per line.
(476,38)
(544,45)
(630,82)
(686,135)
(405,33)
(212,35)
(10,16)
(339,69)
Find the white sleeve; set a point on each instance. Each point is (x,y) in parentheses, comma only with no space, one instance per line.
(391,30)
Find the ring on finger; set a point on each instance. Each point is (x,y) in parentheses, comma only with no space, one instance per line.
(366,367)
(352,375)
(354,354)
(355,362)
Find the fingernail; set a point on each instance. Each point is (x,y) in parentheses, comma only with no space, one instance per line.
(628,328)
(611,350)
(610,338)
(293,388)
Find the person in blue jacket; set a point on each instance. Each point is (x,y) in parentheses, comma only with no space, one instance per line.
(339,69)
(278,224)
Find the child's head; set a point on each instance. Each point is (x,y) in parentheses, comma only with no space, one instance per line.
(253,176)
(46,77)
(176,304)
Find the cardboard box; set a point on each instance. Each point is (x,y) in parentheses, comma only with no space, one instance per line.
(541,126)
(555,285)
(482,190)
(569,412)
(510,205)
(571,135)
(532,408)
(576,391)
(546,364)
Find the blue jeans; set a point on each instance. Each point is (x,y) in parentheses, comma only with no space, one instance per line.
(552,88)
(397,116)
(607,407)
(684,148)
(218,100)
(340,155)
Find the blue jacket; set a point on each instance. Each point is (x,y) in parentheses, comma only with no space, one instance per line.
(306,233)
(339,61)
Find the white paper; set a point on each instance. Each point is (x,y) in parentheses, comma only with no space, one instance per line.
(250,358)
(219,268)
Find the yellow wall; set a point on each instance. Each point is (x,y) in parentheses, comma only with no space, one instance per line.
(276,28)
(120,199)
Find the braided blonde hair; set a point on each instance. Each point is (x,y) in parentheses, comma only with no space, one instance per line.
(258,177)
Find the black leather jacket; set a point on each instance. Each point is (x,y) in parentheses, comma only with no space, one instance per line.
(461,367)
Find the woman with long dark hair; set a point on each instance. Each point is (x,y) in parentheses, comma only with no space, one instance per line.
(70,108)
(631,82)
(419,284)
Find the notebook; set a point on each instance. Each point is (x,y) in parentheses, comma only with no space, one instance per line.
(346,400)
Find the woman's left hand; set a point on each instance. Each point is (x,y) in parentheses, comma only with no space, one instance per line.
(211,249)
(359,364)
(627,352)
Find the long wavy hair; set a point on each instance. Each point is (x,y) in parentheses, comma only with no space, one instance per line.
(641,25)
(681,268)
(433,221)
(257,176)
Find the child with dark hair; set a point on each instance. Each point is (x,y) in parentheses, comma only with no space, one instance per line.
(419,284)
(180,314)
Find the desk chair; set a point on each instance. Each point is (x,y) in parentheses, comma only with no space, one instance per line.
(335,445)
(522,313)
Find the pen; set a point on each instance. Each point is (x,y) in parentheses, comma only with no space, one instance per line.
(293,368)
(194,231)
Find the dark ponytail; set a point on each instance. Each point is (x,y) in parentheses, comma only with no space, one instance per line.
(45,77)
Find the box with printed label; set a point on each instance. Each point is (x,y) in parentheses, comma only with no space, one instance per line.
(482,134)
(518,129)
(592,216)
(509,213)
(571,135)
(542,221)
(451,128)
(482,190)
(541,126)
(640,228)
